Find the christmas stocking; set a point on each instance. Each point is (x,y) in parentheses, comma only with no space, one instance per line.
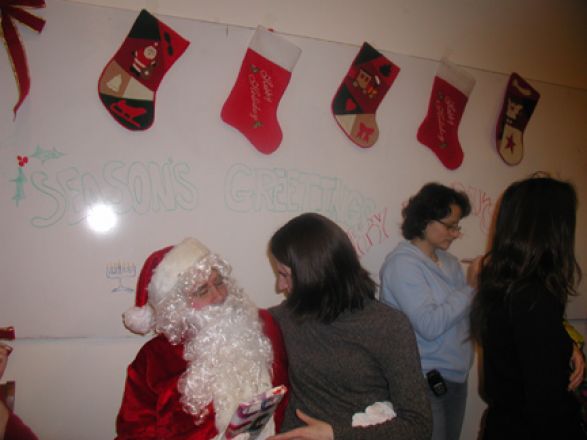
(129,81)
(518,106)
(360,93)
(252,104)
(439,130)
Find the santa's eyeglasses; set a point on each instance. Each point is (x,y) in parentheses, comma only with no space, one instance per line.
(213,282)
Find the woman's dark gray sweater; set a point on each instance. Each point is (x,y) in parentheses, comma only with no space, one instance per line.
(341,368)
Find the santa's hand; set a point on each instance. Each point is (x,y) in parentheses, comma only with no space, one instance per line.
(314,430)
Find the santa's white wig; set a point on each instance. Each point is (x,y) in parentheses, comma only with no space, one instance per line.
(160,276)
(229,356)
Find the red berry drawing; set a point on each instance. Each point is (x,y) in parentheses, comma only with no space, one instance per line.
(22,160)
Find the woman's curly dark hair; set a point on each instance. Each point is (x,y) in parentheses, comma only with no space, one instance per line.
(433,202)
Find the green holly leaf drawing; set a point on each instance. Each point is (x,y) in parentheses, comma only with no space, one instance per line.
(45,155)
(19,181)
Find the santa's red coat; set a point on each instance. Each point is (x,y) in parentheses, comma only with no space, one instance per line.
(150,406)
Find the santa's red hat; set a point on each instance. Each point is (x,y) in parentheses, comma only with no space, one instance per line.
(158,277)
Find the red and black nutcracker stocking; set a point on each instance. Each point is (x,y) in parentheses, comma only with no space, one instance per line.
(360,93)
(439,130)
(518,105)
(129,82)
(252,104)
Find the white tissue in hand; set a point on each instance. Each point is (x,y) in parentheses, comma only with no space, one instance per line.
(374,414)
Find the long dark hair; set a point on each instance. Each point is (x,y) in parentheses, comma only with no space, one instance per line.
(432,202)
(533,242)
(327,276)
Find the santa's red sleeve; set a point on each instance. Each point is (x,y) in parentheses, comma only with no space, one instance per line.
(151,407)
(280,367)
(137,417)
(17,430)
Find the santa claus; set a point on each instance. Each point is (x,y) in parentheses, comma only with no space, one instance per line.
(213,349)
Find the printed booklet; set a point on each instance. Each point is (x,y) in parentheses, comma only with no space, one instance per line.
(250,417)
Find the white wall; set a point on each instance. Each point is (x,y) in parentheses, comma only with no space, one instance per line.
(542,40)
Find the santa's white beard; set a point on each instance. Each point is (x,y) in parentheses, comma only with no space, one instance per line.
(229,358)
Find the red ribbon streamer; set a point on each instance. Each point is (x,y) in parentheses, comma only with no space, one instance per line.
(10,9)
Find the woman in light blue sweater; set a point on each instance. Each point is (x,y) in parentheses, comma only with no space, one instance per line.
(420,278)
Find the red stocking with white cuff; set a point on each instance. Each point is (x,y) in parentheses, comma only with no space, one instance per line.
(252,104)
(439,130)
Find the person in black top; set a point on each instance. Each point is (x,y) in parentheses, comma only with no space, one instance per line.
(525,282)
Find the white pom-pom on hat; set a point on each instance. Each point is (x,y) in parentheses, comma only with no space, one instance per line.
(139,320)
(157,278)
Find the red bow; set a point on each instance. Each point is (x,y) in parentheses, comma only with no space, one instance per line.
(10,9)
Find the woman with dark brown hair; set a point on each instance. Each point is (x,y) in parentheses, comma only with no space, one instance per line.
(526,280)
(353,362)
